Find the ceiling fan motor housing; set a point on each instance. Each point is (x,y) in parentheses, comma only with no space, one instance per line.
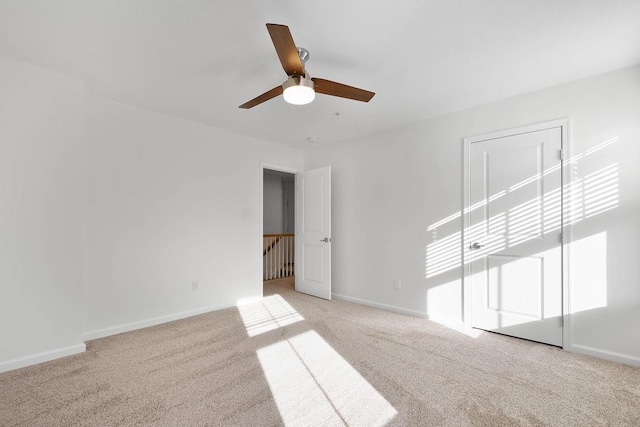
(298,81)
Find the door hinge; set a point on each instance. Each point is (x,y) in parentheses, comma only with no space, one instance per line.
(561,154)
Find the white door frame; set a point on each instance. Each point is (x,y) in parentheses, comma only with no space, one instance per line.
(273,167)
(566,228)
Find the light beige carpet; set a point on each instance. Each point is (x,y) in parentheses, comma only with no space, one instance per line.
(299,360)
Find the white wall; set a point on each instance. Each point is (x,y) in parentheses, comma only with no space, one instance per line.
(109,212)
(288,204)
(278,205)
(41,215)
(272,196)
(167,205)
(388,189)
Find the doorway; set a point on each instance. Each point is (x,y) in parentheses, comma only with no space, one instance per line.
(306,262)
(513,232)
(278,225)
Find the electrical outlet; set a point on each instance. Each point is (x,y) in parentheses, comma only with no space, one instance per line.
(397,284)
(195,286)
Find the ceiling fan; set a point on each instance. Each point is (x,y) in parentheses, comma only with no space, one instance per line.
(299,88)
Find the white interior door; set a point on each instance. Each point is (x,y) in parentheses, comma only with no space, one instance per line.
(313,232)
(514,238)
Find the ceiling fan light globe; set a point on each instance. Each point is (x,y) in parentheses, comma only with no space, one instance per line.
(299,95)
(298,90)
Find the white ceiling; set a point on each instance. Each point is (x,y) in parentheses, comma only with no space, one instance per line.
(200,59)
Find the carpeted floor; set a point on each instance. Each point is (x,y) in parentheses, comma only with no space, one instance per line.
(298,360)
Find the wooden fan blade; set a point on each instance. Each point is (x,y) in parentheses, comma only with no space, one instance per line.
(328,87)
(262,98)
(286,49)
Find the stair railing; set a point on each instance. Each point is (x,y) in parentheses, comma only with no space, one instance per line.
(278,255)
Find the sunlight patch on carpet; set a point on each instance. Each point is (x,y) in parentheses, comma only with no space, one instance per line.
(313,385)
(270,313)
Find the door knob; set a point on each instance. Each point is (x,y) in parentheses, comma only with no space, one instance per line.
(476,246)
(326,240)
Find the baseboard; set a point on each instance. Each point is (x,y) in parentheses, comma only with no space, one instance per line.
(450,323)
(382,306)
(627,359)
(127,327)
(459,326)
(46,356)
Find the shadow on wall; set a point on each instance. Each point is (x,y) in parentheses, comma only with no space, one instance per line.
(584,197)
